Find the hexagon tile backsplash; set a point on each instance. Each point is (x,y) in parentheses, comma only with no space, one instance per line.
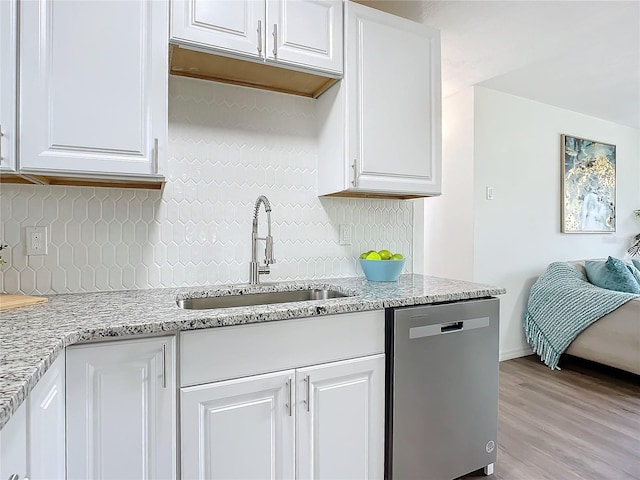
(227,145)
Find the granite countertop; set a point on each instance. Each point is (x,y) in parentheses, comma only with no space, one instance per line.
(32,337)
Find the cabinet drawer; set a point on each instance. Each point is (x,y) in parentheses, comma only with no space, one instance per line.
(228,352)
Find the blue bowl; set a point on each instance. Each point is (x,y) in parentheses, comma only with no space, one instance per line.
(382,270)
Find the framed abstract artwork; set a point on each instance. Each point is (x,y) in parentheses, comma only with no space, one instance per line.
(588,186)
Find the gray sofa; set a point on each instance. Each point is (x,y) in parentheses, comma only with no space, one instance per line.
(612,340)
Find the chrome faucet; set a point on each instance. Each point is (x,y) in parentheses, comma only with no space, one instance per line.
(255,269)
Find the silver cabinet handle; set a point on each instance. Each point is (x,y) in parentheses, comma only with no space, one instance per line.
(14,476)
(164,365)
(308,397)
(155,155)
(1,135)
(275,39)
(260,37)
(354,182)
(289,403)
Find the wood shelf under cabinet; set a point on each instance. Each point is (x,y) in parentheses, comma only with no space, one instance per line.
(379,195)
(207,66)
(151,183)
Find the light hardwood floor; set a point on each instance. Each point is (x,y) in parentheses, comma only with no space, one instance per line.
(580,423)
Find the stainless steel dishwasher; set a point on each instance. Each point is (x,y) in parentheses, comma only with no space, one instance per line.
(442,390)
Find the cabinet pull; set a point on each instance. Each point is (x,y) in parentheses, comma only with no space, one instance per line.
(354,182)
(155,155)
(289,404)
(1,135)
(275,39)
(259,37)
(14,476)
(308,397)
(164,365)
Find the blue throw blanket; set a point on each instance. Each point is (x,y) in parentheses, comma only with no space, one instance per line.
(562,303)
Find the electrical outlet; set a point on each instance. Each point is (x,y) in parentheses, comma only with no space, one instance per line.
(345,234)
(36,240)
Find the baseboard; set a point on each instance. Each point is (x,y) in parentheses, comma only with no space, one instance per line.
(515,353)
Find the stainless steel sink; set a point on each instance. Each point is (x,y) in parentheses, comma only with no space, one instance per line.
(261,298)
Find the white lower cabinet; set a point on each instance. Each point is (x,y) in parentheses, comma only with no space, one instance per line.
(121,403)
(32,444)
(340,420)
(241,428)
(46,432)
(319,422)
(258,401)
(13,446)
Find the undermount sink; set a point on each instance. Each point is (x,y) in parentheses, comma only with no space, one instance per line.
(261,298)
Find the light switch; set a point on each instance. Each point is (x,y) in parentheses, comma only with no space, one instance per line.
(489,193)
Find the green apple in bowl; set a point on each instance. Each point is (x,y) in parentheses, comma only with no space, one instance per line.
(384,254)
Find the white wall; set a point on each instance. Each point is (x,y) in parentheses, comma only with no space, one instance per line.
(448,219)
(227,145)
(516,235)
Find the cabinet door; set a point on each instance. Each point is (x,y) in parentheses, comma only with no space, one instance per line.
(239,429)
(8,75)
(340,419)
(229,26)
(47,424)
(93,86)
(121,410)
(393,100)
(305,33)
(13,445)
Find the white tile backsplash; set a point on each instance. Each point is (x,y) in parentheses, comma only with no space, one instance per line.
(227,145)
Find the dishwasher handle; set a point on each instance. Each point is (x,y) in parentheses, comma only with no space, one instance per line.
(448,327)
(451,327)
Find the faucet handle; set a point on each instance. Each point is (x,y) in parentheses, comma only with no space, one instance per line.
(268,250)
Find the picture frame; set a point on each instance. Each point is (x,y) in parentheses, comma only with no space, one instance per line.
(588,185)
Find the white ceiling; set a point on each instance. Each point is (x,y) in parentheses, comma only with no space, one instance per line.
(582,56)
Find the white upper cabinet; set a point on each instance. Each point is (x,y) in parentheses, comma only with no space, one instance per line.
(304,34)
(380,128)
(232,26)
(8,49)
(93,87)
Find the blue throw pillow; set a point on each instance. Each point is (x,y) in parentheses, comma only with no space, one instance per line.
(635,272)
(612,275)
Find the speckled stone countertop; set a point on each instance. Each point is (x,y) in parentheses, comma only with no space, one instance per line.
(32,337)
